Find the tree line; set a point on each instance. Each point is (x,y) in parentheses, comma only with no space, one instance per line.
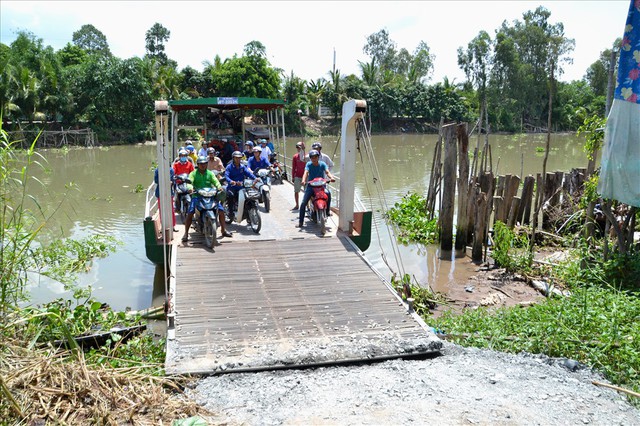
(509,78)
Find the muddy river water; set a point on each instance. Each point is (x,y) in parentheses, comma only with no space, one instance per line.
(104,200)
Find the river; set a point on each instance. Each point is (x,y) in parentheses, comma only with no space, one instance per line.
(105,201)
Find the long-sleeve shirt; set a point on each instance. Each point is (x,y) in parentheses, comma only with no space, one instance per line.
(204,180)
(258,164)
(237,174)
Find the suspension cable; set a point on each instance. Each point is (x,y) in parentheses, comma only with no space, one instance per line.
(362,132)
(164,220)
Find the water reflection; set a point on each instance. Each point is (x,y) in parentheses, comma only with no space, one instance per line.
(104,201)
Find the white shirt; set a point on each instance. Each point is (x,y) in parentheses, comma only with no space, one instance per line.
(323,157)
(266,153)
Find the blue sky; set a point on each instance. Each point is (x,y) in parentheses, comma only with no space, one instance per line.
(301,36)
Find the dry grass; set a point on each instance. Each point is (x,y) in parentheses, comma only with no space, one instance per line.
(51,388)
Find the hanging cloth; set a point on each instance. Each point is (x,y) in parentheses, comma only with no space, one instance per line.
(620,163)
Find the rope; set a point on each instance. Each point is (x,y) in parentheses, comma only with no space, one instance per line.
(164,219)
(362,131)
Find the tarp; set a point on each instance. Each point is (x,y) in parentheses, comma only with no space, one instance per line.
(620,163)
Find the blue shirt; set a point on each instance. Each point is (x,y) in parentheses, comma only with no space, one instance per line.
(237,174)
(155,179)
(258,164)
(316,171)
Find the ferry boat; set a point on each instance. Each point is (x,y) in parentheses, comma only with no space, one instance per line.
(225,118)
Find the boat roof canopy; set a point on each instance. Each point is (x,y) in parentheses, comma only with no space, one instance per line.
(227,103)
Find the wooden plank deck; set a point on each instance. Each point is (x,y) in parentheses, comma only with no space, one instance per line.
(284,298)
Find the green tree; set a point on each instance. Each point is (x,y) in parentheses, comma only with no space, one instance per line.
(250,76)
(315,91)
(92,40)
(420,64)
(381,48)
(256,49)
(71,55)
(597,74)
(155,38)
(476,64)
(525,53)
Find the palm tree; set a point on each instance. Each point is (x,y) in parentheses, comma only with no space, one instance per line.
(369,72)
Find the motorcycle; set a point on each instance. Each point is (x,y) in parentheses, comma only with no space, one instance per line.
(317,206)
(206,215)
(278,175)
(264,187)
(183,198)
(246,207)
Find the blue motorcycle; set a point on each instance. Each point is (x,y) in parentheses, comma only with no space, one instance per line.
(206,215)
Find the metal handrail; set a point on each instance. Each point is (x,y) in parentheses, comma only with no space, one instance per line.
(150,202)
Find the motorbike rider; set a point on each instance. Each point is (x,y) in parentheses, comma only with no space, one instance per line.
(323,157)
(236,173)
(191,151)
(266,151)
(248,150)
(182,166)
(215,163)
(226,153)
(256,162)
(202,152)
(314,169)
(203,178)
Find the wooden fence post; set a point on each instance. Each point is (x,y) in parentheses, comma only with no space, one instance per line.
(479,228)
(448,190)
(463,190)
(524,212)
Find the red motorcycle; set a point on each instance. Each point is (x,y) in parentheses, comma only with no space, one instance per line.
(317,207)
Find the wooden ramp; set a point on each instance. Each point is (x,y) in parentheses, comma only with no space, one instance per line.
(298,301)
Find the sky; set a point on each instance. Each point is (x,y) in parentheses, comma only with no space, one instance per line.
(302,36)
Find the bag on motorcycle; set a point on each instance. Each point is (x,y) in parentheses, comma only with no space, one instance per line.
(221,196)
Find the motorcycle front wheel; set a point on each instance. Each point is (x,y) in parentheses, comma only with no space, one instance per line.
(183,209)
(267,201)
(210,231)
(254,219)
(322,218)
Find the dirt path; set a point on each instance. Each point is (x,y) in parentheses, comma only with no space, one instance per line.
(462,386)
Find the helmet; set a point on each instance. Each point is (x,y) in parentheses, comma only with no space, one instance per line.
(314,153)
(263,141)
(257,149)
(202,160)
(189,142)
(190,148)
(211,151)
(182,151)
(237,154)
(300,144)
(316,145)
(249,143)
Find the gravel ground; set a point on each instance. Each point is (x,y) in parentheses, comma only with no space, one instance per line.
(460,386)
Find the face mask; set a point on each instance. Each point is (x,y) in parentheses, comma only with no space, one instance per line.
(183,160)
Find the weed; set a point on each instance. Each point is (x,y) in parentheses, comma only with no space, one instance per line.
(595,326)
(410,216)
(511,251)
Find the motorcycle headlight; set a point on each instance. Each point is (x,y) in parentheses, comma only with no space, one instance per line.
(207,192)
